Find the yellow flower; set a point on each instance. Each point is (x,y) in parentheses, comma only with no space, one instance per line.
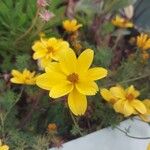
(47,50)
(71,25)
(124,100)
(143,41)
(146,117)
(26,77)
(3,147)
(127,102)
(71,76)
(121,22)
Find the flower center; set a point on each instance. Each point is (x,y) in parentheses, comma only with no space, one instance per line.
(130,96)
(73,78)
(50,49)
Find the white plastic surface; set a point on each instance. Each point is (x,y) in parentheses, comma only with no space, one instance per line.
(113,139)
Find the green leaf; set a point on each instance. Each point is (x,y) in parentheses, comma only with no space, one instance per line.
(7,99)
(22,61)
(103,56)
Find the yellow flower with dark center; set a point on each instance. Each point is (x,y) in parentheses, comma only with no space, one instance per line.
(26,77)
(127,102)
(121,22)
(47,50)
(71,25)
(146,117)
(123,100)
(3,147)
(72,76)
(143,41)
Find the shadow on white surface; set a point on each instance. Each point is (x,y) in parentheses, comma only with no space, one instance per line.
(113,139)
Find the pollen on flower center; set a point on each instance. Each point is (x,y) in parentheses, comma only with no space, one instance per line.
(73,77)
(130,97)
(50,49)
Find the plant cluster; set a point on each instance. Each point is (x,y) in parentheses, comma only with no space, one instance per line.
(69,68)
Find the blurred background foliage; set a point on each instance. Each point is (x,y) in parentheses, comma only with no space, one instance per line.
(23,125)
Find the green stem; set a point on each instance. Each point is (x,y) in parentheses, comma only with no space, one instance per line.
(129,80)
(3,118)
(30,28)
(2,126)
(76,124)
(108,6)
(13,104)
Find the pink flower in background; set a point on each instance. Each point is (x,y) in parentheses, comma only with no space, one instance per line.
(42,3)
(46,15)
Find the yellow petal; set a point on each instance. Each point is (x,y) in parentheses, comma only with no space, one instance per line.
(66,24)
(131,90)
(118,106)
(4,147)
(87,88)
(16,80)
(73,22)
(139,106)
(39,54)
(145,117)
(60,90)
(127,109)
(52,42)
(68,62)
(107,95)
(48,80)
(77,102)
(44,62)
(53,67)
(97,73)
(60,50)
(118,92)
(38,46)
(85,60)
(16,72)
(146,102)
(43,81)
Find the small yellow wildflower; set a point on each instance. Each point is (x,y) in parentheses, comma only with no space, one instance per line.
(71,25)
(128,103)
(26,77)
(143,41)
(71,75)
(52,127)
(124,100)
(3,147)
(47,50)
(121,22)
(148,147)
(146,117)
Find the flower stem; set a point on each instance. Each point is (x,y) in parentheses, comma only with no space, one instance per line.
(14,103)
(3,118)
(129,80)
(30,28)
(76,124)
